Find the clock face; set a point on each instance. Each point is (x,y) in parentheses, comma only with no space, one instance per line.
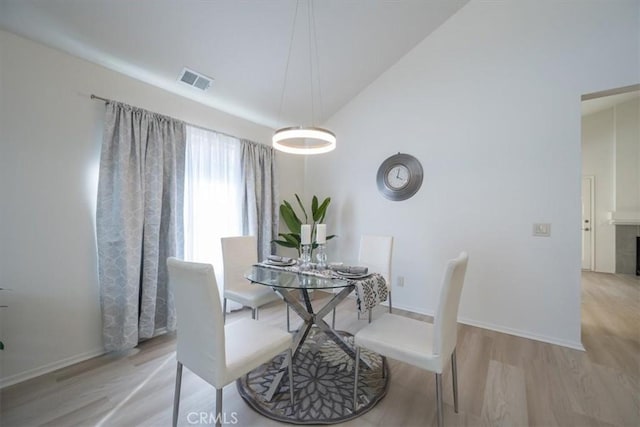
(399,177)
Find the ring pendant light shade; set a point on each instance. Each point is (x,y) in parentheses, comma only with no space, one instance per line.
(304,139)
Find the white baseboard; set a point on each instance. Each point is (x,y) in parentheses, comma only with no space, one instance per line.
(413,309)
(160,331)
(503,329)
(49,367)
(523,334)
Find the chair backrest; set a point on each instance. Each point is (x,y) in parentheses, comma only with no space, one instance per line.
(446,320)
(238,254)
(375,253)
(201,344)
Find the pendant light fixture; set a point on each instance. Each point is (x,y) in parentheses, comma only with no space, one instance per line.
(304,139)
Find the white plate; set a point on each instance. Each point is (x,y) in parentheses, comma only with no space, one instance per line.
(353,275)
(281,264)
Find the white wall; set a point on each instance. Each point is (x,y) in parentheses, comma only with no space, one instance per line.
(49,151)
(627,159)
(598,155)
(490,104)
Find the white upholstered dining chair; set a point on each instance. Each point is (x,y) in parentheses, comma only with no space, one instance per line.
(375,253)
(217,353)
(421,344)
(238,255)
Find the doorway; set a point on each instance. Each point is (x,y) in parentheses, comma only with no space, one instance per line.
(609,186)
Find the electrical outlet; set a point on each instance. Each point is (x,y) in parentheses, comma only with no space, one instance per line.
(542,230)
(400,281)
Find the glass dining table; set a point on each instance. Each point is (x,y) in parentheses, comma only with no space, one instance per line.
(290,282)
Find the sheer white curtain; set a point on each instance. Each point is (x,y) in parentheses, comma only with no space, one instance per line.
(212,196)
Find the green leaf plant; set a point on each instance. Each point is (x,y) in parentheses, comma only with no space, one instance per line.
(294,222)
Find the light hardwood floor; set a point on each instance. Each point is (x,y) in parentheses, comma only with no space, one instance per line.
(504,380)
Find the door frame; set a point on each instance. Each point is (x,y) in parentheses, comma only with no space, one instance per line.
(592,224)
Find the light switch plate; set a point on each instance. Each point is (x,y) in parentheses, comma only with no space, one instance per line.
(542,230)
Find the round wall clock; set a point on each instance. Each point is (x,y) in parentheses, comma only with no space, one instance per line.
(399,177)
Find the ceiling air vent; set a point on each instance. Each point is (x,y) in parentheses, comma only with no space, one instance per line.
(195,79)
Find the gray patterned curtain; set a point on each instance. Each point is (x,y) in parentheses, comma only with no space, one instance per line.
(259,199)
(138,222)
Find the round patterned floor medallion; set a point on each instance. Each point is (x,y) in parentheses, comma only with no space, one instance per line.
(323,376)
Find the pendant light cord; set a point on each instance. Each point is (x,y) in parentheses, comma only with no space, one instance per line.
(313,111)
(317,55)
(286,68)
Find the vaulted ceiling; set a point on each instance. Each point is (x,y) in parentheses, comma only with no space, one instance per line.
(242,44)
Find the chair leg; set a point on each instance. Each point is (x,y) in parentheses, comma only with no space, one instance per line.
(224,310)
(390,305)
(355,383)
(384,370)
(219,407)
(454,377)
(176,395)
(291,378)
(370,311)
(439,400)
(254,313)
(333,319)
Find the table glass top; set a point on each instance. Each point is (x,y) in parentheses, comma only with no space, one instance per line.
(291,279)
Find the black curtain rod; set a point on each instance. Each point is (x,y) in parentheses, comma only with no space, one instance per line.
(99,98)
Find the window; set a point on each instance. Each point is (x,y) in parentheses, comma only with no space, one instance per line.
(212,195)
